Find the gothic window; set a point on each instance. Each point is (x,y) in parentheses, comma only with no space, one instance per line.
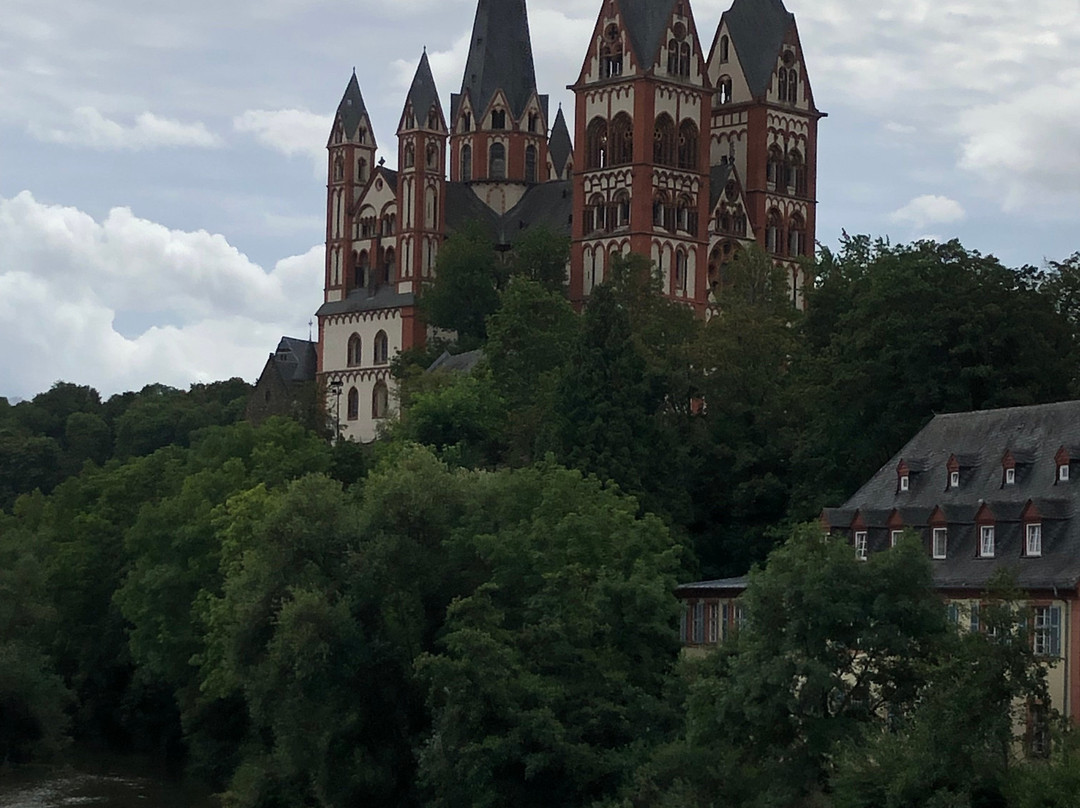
(388,265)
(432,156)
(622,209)
(673,58)
(773,228)
(339,169)
(362,269)
(686,215)
(380,400)
(355,355)
(724,222)
(497,162)
(595,213)
(498,119)
(530,163)
(361,170)
(684,59)
(466,122)
(388,222)
(724,45)
(381,353)
(611,53)
(680,271)
(792,87)
(352,411)
(797,169)
(361,134)
(433,119)
(664,141)
(410,155)
(774,169)
(723,91)
(410,120)
(596,144)
(688,145)
(466,163)
(781,88)
(622,140)
(534,119)
(797,236)
(337,132)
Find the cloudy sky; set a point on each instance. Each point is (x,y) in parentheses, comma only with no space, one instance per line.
(162,179)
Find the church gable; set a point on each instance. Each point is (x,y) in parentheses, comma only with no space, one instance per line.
(757,29)
(725,70)
(789,83)
(351,122)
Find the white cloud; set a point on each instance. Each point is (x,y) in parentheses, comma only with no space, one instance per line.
(929,209)
(93,130)
(65,278)
(289,131)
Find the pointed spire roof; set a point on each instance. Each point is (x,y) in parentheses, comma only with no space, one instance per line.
(560,147)
(645,21)
(352,109)
(757,30)
(500,56)
(422,93)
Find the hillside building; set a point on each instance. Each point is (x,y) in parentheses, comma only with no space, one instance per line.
(687,148)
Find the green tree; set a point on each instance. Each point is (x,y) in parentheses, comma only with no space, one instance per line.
(541,255)
(547,688)
(465,289)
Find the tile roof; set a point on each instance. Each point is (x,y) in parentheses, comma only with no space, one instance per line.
(559,144)
(500,57)
(645,22)
(423,95)
(757,29)
(352,108)
(384,297)
(462,362)
(295,359)
(718,177)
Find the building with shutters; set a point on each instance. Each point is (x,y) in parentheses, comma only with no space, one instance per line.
(690,145)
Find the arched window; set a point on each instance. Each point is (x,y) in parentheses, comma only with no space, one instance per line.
(781,87)
(673,58)
(497,162)
(466,122)
(361,170)
(339,169)
(684,59)
(622,140)
(410,156)
(688,145)
(594,214)
(388,265)
(432,156)
(663,212)
(680,271)
(596,144)
(773,229)
(611,53)
(498,119)
(792,86)
(797,170)
(380,400)
(381,353)
(530,163)
(723,91)
(622,209)
(355,355)
(352,410)
(362,269)
(466,163)
(774,168)
(686,215)
(724,48)
(432,119)
(361,134)
(797,236)
(664,141)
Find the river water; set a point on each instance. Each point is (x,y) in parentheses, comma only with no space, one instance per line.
(99,783)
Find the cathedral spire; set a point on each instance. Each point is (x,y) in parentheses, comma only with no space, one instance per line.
(351,110)
(423,97)
(500,56)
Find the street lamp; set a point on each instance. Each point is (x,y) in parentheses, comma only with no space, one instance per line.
(335,389)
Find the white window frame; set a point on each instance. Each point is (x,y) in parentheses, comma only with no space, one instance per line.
(1033,539)
(894,537)
(860,545)
(1063,473)
(1010,476)
(954,479)
(712,622)
(986,541)
(904,482)
(1046,631)
(942,550)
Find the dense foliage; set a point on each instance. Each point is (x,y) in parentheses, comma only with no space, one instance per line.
(478,609)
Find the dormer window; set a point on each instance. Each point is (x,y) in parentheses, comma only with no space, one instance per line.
(1063,473)
(1010,476)
(860,545)
(954,479)
(1033,540)
(905,482)
(1062,460)
(986,541)
(894,537)
(941,542)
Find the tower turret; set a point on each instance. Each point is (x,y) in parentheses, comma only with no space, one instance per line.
(498,139)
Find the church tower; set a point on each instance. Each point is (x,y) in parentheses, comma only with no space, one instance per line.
(351,149)
(764,131)
(421,181)
(641,182)
(498,139)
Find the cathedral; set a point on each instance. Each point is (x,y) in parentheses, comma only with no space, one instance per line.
(684,149)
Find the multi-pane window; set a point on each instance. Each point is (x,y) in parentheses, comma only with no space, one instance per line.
(1046,631)
(941,539)
(1063,472)
(712,627)
(698,626)
(894,537)
(860,545)
(1033,545)
(986,541)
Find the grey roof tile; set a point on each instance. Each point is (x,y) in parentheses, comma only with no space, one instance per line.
(645,22)
(351,108)
(423,95)
(560,146)
(757,31)
(385,297)
(500,57)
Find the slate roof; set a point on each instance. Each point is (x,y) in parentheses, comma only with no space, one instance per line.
(718,177)
(352,107)
(645,22)
(757,29)
(979,440)
(384,297)
(720,587)
(422,93)
(464,206)
(500,57)
(548,204)
(295,359)
(388,175)
(560,146)
(462,362)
